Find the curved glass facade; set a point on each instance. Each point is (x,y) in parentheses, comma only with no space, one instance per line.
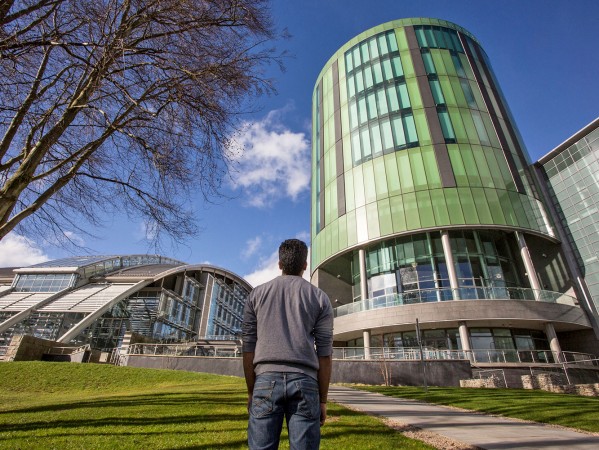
(411,133)
(423,194)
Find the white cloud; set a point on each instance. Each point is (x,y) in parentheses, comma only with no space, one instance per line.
(274,162)
(18,251)
(252,246)
(266,271)
(269,268)
(75,238)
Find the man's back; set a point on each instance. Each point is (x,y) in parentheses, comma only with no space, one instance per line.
(289,317)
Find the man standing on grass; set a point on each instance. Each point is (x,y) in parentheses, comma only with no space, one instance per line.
(287,353)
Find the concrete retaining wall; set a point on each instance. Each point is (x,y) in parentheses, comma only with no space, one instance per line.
(409,373)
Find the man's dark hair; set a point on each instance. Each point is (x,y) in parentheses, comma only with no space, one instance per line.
(293,255)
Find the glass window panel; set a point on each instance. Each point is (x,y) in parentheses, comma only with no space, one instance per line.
(392,41)
(383,45)
(364,52)
(468,93)
(382,101)
(447,90)
(410,128)
(422,127)
(362,112)
(457,63)
(351,87)
(368,77)
(430,166)
(469,126)
(377,143)
(374,50)
(458,126)
(359,81)
(398,215)
(377,72)
(495,207)
(458,92)
(380,178)
(385,221)
(439,207)
(369,184)
(405,174)
(430,37)
(353,114)
(387,135)
(398,132)
(420,36)
(393,101)
(456,42)
(425,210)
(439,37)
(397,69)
(365,138)
(437,93)
(483,168)
(446,124)
(453,206)
(404,98)
(387,70)
(468,205)
(356,57)
(447,38)
(356,148)
(371,103)
(349,64)
(359,186)
(480,128)
(429,66)
(411,211)
(392,175)
(481,205)
(470,166)
(457,165)
(418,171)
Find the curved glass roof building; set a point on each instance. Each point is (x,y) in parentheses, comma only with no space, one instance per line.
(95,300)
(422,195)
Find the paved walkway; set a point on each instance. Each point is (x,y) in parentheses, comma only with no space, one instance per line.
(479,430)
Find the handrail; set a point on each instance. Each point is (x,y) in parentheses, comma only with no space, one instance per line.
(476,356)
(188,349)
(448,294)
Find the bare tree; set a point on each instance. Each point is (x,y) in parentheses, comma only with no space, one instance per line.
(122,105)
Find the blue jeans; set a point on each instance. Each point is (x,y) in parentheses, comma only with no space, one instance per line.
(293,396)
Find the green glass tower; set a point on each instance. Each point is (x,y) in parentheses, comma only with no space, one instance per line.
(422,194)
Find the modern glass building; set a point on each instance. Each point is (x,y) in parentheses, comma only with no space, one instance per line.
(424,205)
(570,178)
(97,299)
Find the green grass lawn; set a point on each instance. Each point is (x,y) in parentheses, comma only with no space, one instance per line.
(89,406)
(539,406)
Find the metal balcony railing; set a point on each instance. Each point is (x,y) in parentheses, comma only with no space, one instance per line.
(474,356)
(448,294)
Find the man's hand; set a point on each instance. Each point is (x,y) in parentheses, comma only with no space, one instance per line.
(249,402)
(323,413)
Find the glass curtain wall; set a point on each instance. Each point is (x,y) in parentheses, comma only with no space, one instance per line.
(416,264)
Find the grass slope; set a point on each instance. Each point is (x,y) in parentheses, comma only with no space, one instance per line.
(73,406)
(539,406)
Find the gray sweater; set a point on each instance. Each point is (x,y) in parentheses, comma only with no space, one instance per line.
(288,324)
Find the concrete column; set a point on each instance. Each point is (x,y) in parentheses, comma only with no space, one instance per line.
(556,349)
(453,277)
(363,275)
(464,339)
(366,334)
(530,269)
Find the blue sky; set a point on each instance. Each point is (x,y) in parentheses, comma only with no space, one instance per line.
(545,57)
